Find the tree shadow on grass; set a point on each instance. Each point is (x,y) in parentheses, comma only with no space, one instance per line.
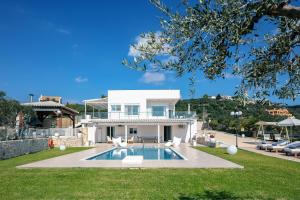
(212,195)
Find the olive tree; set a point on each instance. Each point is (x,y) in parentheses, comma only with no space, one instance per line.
(256,40)
(9,110)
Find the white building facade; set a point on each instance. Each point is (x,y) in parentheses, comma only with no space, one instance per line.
(144,115)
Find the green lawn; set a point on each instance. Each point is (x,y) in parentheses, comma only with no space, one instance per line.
(262,178)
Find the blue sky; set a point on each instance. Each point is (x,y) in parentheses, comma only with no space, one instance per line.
(74,49)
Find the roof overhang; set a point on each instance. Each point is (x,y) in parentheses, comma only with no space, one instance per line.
(98,103)
(263,123)
(50,106)
(173,100)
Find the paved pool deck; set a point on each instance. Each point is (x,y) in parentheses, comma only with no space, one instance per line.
(249,144)
(193,159)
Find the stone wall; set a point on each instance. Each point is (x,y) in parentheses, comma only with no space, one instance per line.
(67,141)
(13,148)
(84,131)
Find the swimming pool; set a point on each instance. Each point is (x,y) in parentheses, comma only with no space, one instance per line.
(148,153)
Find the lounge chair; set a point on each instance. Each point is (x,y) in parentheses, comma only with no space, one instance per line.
(292,149)
(267,137)
(277,137)
(282,147)
(263,145)
(175,143)
(122,144)
(116,141)
(130,141)
(168,144)
(295,152)
(277,146)
(109,141)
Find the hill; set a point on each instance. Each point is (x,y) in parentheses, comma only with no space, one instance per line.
(217,113)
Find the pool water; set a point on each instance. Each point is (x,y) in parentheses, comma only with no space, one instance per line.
(148,153)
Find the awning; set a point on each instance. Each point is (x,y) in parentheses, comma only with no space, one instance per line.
(97,103)
(50,106)
(289,122)
(263,123)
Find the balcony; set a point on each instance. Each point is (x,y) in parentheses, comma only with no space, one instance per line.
(140,115)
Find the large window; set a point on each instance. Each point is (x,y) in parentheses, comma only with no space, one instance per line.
(115,108)
(158,110)
(132,109)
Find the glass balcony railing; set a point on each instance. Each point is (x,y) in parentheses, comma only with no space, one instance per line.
(139,115)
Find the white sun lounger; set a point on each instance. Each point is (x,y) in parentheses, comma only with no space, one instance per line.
(263,146)
(279,146)
(175,143)
(295,152)
(116,141)
(282,147)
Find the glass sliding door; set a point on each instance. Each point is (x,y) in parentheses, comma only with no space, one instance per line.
(110,130)
(167,133)
(158,111)
(132,109)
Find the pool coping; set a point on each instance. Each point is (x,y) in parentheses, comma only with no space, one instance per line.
(194,159)
(182,156)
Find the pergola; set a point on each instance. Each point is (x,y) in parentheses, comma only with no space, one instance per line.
(263,124)
(95,104)
(46,108)
(291,122)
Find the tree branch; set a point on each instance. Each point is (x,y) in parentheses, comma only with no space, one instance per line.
(285,10)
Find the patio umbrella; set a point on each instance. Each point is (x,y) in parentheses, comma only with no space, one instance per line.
(289,122)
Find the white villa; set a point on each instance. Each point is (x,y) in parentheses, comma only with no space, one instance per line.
(142,114)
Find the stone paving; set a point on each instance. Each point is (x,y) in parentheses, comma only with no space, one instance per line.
(194,159)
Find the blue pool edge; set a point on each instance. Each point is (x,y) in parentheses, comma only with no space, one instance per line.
(90,158)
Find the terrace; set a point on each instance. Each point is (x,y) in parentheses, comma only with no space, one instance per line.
(132,111)
(140,115)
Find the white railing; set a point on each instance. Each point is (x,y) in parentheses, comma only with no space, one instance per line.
(139,115)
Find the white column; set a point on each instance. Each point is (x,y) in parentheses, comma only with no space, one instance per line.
(93,112)
(158,133)
(91,135)
(126,130)
(84,109)
(190,132)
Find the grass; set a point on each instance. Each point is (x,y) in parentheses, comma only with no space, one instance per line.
(262,178)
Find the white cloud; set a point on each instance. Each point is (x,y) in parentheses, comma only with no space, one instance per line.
(156,78)
(143,41)
(63,31)
(231,76)
(80,79)
(133,51)
(139,41)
